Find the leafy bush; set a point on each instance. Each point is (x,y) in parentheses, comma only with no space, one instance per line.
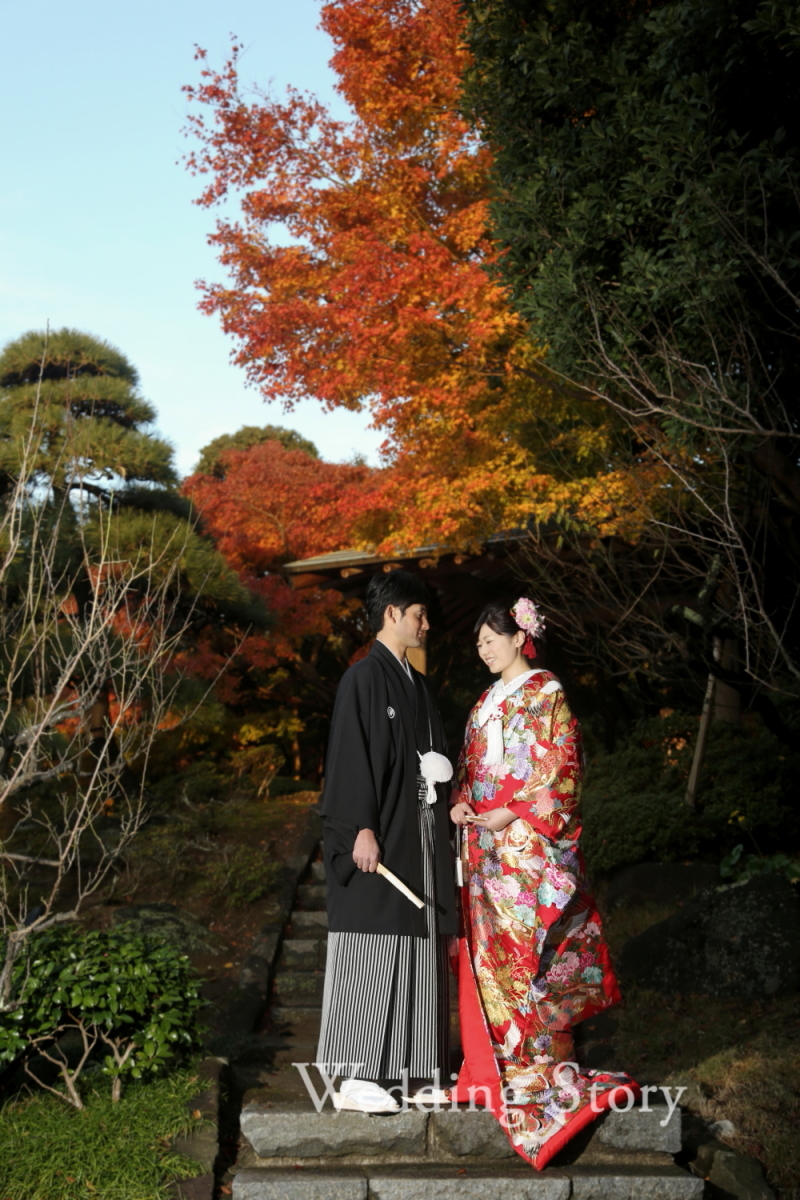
(740,867)
(128,998)
(113,1152)
(198,783)
(284,785)
(634,808)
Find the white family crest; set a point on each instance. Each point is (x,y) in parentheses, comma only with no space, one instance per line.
(390,711)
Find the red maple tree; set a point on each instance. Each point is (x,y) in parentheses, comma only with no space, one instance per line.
(381,298)
(264,506)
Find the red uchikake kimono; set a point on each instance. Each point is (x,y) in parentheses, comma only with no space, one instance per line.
(532,961)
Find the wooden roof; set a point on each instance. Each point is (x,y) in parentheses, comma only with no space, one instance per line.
(460,583)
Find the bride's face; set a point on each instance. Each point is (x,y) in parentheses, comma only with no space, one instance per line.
(497,650)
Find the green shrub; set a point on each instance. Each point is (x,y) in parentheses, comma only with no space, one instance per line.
(112,1152)
(240,875)
(283,785)
(739,867)
(130,1001)
(199,783)
(634,808)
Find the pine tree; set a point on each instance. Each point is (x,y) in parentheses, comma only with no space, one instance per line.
(75,428)
(250,435)
(79,398)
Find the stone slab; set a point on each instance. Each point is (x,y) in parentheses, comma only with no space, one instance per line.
(448,1184)
(459,1132)
(291,1131)
(739,1176)
(200,1187)
(311,896)
(295,1013)
(299,1051)
(632,1183)
(200,1145)
(310,924)
(299,987)
(642,1130)
(280,1184)
(300,952)
(318,871)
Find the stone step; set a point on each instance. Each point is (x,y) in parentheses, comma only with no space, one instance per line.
(297,1131)
(318,871)
(305,953)
(299,987)
(447,1182)
(303,1029)
(311,896)
(296,1051)
(309,924)
(295,1014)
(628,1182)
(343,1184)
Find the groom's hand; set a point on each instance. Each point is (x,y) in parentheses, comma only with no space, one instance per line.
(366,852)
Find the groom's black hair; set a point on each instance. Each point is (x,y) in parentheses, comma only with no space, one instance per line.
(398,588)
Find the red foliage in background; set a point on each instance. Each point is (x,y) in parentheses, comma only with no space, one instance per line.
(271,505)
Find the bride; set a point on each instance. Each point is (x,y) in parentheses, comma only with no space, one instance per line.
(532,961)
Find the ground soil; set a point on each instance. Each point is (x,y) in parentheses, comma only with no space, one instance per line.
(276,825)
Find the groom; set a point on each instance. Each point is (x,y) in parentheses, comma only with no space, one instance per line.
(385,1010)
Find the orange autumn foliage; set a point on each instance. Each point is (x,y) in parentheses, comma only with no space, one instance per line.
(381,298)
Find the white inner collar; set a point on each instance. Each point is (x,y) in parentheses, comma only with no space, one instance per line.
(513,685)
(403,661)
(499,692)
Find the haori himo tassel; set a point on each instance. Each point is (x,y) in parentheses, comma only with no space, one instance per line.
(435,768)
(492,716)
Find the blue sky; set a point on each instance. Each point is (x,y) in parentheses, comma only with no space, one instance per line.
(97,226)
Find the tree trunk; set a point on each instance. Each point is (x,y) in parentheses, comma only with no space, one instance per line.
(297,762)
(98,720)
(700,747)
(727,702)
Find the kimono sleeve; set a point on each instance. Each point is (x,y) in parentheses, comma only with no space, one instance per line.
(462,787)
(350,802)
(551,794)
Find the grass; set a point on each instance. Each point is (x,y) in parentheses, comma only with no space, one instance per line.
(110,1151)
(738,1059)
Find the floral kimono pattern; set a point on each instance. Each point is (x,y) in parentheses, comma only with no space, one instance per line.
(532,962)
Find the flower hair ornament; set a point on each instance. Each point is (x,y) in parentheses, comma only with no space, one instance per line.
(530,621)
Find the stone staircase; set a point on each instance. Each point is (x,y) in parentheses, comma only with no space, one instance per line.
(290,1151)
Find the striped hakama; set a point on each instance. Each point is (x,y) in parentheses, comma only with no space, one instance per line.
(385,1007)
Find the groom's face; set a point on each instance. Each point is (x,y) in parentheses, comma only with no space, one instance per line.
(410,626)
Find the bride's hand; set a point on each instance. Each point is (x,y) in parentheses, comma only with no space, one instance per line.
(460,813)
(496,820)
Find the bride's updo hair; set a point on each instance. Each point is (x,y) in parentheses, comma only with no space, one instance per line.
(500,619)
